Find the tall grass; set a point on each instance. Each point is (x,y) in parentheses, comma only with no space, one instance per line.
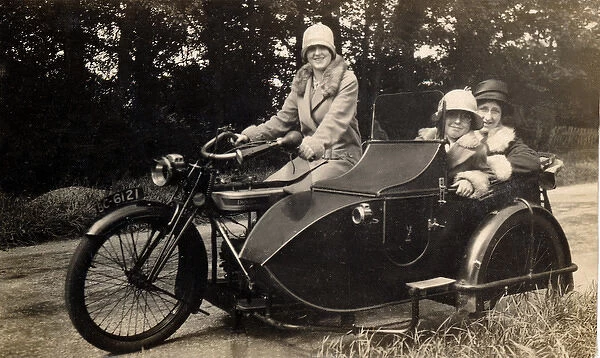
(533,324)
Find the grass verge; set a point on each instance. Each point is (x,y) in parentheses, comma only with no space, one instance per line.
(528,325)
(58,214)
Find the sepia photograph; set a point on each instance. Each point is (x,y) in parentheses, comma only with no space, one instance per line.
(308,178)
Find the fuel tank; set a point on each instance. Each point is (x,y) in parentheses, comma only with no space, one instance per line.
(311,246)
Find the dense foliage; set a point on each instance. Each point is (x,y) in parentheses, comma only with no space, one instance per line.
(93,90)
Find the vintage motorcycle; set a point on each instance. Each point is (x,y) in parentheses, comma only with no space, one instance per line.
(388,232)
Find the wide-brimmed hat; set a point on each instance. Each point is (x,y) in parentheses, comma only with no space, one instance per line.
(317,34)
(461,100)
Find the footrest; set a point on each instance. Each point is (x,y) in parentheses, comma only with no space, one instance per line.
(437,284)
(253,305)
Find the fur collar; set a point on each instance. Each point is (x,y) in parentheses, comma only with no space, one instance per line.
(470,140)
(500,140)
(332,77)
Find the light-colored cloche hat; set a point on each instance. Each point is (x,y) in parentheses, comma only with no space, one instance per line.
(317,34)
(461,100)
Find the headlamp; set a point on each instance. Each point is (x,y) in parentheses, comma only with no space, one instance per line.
(167,168)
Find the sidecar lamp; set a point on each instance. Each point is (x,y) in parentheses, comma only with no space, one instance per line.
(362,214)
(167,168)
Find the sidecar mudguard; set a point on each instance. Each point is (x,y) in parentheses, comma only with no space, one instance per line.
(134,210)
(468,282)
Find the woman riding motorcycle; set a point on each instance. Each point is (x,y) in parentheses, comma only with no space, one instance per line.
(322,103)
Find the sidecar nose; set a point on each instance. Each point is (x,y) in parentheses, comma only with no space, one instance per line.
(287,219)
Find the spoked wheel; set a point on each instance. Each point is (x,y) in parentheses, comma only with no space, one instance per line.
(524,245)
(118,304)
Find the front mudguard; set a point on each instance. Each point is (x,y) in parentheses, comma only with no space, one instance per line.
(467,283)
(138,209)
(153,209)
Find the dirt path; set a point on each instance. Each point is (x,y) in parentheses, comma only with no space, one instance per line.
(576,209)
(33,321)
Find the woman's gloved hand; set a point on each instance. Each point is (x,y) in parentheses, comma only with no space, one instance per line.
(310,149)
(305,152)
(463,188)
(241,139)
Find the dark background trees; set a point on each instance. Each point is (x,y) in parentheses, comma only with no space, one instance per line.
(93,90)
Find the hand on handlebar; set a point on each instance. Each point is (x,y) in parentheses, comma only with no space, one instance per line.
(241,139)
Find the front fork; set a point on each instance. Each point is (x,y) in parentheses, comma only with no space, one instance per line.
(177,225)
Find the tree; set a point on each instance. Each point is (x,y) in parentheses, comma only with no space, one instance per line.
(88,87)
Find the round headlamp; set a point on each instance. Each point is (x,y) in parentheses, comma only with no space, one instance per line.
(167,168)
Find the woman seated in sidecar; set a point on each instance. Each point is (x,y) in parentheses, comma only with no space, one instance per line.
(467,165)
(508,155)
(513,162)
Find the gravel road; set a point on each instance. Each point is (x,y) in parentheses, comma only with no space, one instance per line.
(33,321)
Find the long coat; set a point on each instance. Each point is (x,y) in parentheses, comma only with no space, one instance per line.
(466,160)
(326,117)
(508,155)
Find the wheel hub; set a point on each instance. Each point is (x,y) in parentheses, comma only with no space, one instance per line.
(138,279)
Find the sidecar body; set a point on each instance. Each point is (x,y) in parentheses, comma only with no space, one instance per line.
(390,229)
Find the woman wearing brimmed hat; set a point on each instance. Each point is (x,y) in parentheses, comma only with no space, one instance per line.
(508,156)
(322,103)
(466,155)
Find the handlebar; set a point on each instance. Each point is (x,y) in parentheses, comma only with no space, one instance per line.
(221,156)
(290,141)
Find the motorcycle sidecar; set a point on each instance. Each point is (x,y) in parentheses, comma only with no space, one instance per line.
(389,231)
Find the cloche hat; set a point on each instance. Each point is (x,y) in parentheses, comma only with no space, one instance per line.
(461,100)
(317,34)
(491,90)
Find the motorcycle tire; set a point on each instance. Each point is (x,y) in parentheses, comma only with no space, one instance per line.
(116,308)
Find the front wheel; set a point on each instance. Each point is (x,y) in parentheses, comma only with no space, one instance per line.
(115,303)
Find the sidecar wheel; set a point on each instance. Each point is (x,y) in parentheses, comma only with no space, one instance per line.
(507,257)
(113,306)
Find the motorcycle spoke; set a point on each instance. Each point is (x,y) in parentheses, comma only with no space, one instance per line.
(113,255)
(111,307)
(120,296)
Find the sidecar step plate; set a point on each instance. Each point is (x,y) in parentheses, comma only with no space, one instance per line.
(437,284)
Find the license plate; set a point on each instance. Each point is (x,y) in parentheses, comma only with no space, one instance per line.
(118,199)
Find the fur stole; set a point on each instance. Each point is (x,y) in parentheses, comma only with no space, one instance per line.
(499,141)
(497,144)
(470,140)
(332,77)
